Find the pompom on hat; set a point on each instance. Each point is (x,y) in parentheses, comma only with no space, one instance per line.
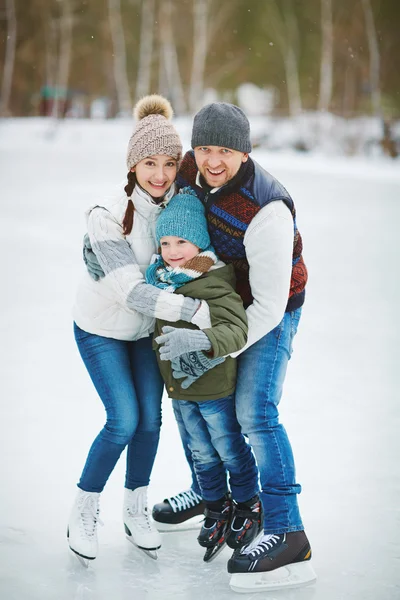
(154,132)
(184,217)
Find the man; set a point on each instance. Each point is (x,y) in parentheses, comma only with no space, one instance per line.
(252,224)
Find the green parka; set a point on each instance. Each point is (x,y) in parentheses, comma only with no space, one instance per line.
(228,334)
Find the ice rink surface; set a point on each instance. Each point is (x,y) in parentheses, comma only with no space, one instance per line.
(340,404)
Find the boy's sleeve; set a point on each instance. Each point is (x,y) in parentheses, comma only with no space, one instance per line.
(228,332)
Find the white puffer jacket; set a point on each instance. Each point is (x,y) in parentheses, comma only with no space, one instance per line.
(100,306)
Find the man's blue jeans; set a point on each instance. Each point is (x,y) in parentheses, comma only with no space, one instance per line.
(213,435)
(128,381)
(261,373)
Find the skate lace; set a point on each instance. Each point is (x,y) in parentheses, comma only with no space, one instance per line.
(89,512)
(184,500)
(266,543)
(140,514)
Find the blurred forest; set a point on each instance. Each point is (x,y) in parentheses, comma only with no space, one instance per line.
(340,56)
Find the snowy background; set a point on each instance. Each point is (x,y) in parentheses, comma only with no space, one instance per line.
(340,405)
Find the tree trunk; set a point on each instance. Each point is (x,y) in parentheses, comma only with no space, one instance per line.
(146,49)
(9,58)
(326,73)
(169,57)
(120,70)
(196,91)
(374,59)
(284,30)
(292,82)
(64,60)
(51,52)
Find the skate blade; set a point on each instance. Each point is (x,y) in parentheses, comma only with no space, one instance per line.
(151,552)
(212,553)
(82,559)
(190,525)
(290,576)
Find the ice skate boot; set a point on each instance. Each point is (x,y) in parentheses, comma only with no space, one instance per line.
(275,562)
(182,512)
(214,531)
(139,528)
(247,522)
(82,526)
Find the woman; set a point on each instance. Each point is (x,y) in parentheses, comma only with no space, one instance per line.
(114,318)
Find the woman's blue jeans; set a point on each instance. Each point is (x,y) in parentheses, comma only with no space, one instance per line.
(261,374)
(217,446)
(128,381)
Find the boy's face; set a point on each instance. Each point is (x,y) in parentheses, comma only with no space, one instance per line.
(176,251)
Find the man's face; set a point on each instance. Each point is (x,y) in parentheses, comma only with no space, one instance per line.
(218,165)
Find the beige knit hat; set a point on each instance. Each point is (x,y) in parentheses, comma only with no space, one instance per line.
(154,132)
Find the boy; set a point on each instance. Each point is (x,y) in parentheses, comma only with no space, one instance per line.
(205,407)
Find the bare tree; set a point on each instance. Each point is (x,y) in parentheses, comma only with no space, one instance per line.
(120,71)
(9,58)
(282,27)
(51,51)
(64,57)
(374,60)
(200,10)
(326,73)
(146,48)
(169,58)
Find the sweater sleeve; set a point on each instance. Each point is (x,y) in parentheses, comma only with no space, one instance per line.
(269,249)
(123,273)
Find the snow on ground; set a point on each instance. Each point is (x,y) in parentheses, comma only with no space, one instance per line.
(340,405)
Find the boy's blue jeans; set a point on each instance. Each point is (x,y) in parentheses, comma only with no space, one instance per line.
(261,373)
(213,436)
(128,381)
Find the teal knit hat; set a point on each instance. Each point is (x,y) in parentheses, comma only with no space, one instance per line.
(184,217)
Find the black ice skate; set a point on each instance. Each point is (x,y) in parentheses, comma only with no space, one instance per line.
(247,523)
(275,562)
(215,529)
(182,512)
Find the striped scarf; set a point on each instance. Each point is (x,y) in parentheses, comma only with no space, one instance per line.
(170,278)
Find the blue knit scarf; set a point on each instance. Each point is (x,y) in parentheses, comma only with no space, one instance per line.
(170,278)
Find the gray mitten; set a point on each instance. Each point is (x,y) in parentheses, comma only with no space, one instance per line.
(181,341)
(90,259)
(192,366)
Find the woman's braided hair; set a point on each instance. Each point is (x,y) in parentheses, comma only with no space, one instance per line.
(127,223)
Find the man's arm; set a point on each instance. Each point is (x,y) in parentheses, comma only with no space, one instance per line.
(269,249)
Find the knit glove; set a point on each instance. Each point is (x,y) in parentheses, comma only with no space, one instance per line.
(180,341)
(192,366)
(90,259)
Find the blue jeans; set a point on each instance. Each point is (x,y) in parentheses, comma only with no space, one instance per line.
(213,435)
(261,374)
(128,381)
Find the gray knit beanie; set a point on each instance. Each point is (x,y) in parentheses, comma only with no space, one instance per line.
(221,124)
(154,132)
